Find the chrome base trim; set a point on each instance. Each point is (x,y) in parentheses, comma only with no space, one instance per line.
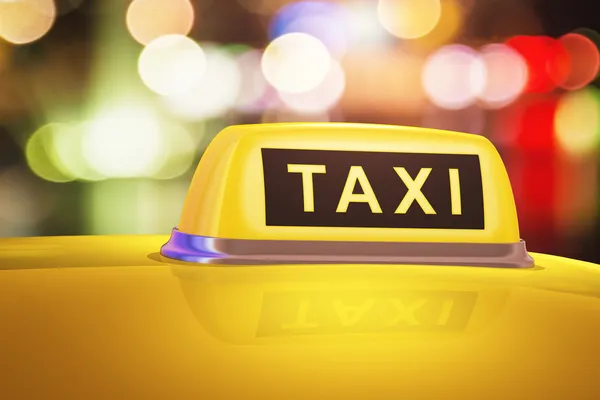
(208,250)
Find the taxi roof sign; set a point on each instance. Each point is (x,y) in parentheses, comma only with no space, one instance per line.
(337,192)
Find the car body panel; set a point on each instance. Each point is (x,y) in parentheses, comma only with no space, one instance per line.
(108,317)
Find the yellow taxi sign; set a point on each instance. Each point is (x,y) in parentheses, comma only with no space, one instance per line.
(314,191)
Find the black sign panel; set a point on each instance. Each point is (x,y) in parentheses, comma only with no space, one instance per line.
(372,189)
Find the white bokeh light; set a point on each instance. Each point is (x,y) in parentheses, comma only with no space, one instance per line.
(507,75)
(253,87)
(454,76)
(123,143)
(367,32)
(322,98)
(296,63)
(172,64)
(214,94)
(178,153)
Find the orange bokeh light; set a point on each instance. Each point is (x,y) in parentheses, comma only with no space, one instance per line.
(148,19)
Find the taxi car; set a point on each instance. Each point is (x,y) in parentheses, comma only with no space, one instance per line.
(311,261)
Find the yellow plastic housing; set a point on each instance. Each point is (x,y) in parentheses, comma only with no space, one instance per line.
(227,199)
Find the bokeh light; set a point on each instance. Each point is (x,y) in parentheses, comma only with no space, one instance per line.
(454,76)
(447,28)
(365,31)
(40,156)
(506,75)
(25,21)
(123,142)
(535,124)
(172,64)
(577,121)
(327,21)
(137,206)
(150,19)
(323,97)
(584,61)
(254,88)
(409,19)
(178,152)
(215,93)
(387,85)
(296,63)
(67,147)
(547,61)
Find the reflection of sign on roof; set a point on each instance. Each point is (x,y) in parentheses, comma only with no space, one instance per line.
(372,189)
(319,313)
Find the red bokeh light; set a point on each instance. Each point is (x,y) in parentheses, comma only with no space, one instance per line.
(529,124)
(547,61)
(584,61)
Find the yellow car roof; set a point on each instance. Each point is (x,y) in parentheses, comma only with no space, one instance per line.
(107,317)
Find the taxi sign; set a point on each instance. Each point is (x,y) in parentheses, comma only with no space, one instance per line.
(349,193)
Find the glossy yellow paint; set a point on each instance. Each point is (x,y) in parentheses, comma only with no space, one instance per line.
(106,317)
(226,197)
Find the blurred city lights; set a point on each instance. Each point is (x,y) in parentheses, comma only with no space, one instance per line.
(122,143)
(25,21)
(296,62)
(535,124)
(254,88)
(67,147)
(388,84)
(150,19)
(454,76)
(409,19)
(577,121)
(177,153)
(327,21)
(172,64)
(366,31)
(584,61)
(447,28)
(547,61)
(506,73)
(40,156)
(323,97)
(214,94)
(133,207)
